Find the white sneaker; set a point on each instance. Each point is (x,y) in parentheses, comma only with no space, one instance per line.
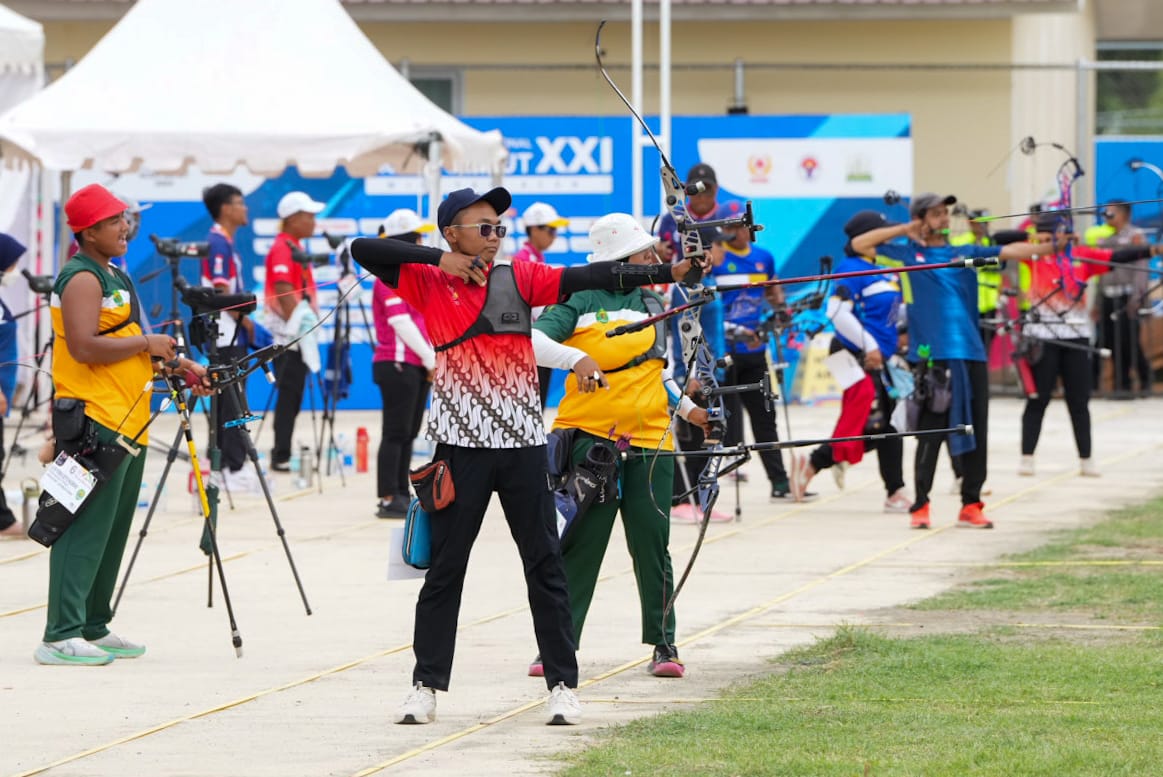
(119,647)
(1026,467)
(1088,469)
(73,651)
(419,705)
(242,482)
(564,707)
(839,470)
(898,503)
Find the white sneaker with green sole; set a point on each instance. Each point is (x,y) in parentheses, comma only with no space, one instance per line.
(118,647)
(71,652)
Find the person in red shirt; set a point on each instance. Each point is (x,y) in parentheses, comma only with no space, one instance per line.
(487,424)
(290,302)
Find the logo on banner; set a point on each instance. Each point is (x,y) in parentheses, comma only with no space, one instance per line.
(858,171)
(760,167)
(808,166)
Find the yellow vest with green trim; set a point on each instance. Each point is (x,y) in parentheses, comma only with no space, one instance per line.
(989,279)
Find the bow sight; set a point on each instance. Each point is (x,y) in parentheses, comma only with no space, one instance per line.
(173,248)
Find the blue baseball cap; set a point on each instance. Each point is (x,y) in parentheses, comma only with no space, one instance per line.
(460,199)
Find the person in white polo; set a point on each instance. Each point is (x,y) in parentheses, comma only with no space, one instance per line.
(541,225)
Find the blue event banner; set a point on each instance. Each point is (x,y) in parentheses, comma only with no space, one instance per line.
(806,175)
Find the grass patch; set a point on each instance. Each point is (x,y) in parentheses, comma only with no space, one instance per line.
(1001,701)
(945,705)
(1123,593)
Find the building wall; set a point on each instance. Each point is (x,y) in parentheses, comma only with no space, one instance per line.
(962,119)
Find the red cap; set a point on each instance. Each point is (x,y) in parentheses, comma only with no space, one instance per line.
(91,204)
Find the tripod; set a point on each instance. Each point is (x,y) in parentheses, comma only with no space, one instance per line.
(32,399)
(229,378)
(337,372)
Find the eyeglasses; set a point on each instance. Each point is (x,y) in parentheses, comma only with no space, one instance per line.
(485,230)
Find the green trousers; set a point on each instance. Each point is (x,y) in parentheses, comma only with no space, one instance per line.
(84,562)
(647,537)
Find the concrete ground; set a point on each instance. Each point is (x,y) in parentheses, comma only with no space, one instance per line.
(314,695)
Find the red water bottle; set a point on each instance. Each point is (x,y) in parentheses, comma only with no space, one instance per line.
(361,449)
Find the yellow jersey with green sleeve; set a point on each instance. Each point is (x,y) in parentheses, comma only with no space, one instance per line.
(113,393)
(637,403)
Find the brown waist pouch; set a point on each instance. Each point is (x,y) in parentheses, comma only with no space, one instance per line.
(433,484)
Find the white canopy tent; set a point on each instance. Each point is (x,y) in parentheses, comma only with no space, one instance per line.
(21,76)
(222,83)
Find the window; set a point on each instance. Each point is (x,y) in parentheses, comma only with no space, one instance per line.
(440,85)
(1130,101)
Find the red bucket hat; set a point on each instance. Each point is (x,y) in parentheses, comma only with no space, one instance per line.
(91,204)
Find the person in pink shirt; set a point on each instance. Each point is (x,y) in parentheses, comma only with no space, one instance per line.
(401,366)
(541,225)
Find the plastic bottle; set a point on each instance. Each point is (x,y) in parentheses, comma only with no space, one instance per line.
(361,442)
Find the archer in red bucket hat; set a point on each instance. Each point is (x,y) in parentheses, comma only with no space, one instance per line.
(91,204)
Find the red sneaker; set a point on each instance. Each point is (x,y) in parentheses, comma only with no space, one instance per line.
(919,519)
(972,517)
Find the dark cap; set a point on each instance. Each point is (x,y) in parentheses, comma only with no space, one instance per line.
(1049,220)
(460,199)
(701,173)
(711,235)
(923,202)
(866,221)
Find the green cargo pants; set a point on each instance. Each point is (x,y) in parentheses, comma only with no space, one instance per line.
(84,562)
(647,537)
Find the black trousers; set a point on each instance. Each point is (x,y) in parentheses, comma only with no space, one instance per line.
(890,453)
(290,378)
(544,374)
(404,392)
(1073,366)
(231,440)
(750,368)
(520,477)
(7,518)
(973,464)
(1120,333)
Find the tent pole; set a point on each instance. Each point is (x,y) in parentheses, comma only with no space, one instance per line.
(64,239)
(432,172)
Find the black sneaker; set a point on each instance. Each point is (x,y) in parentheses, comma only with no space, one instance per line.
(281,466)
(781,492)
(665,662)
(393,509)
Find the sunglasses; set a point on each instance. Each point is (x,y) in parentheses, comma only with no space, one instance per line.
(485,230)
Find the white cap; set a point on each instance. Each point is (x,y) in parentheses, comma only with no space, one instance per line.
(618,236)
(541,214)
(405,221)
(298,202)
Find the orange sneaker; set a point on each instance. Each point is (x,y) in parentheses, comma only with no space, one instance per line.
(972,517)
(919,519)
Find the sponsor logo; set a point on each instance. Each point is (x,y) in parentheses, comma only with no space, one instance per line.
(808,166)
(759,165)
(858,171)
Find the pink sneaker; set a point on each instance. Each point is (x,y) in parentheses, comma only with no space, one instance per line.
(665,662)
(899,502)
(685,512)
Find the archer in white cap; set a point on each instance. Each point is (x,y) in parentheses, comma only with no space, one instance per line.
(289,284)
(405,224)
(541,225)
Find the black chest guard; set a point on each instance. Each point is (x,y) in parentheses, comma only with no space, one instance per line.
(505,310)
